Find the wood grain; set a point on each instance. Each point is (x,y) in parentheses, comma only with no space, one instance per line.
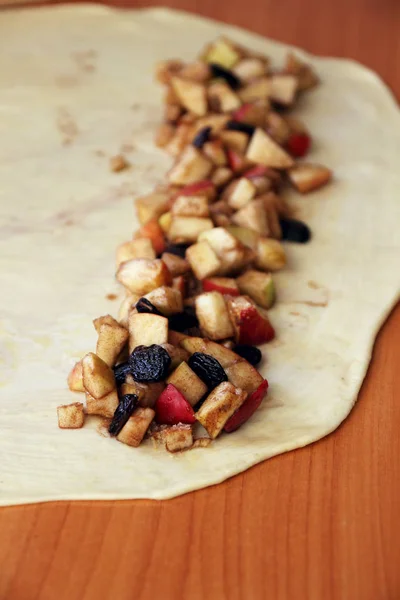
(319,523)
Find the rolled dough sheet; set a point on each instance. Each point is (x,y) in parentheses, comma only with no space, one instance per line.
(76,86)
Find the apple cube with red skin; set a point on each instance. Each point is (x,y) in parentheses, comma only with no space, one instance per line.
(179,283)
(251,327)
(237,161)
(153,231)
(248,408)
(224,285)
(173,408)
(251,113)
(200,188)
(141,275)
(219,406)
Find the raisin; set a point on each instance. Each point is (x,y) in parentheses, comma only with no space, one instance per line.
(149,364)
(124,410)
(231,79)
(121,371)
(145,306)
(202,137)
(295,231)
(243,127)
(184,320)
(208,369)
(252,354)
(177,249)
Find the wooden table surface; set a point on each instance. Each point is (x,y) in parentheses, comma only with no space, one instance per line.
(320,523)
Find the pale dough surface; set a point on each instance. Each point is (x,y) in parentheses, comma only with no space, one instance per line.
(76,84)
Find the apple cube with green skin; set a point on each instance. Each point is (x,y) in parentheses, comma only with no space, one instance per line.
(151,206)
(247,236)
(306,177)
(251,327)
(264,150)
(271,255)
(224,285)
(247,409)
(188,229)
(191,206)
(191,95)
(203,260)
(146,329)
(219,406)
(213,316)
(191,167)
(141,275)
(259,286)
(166,299)
(188,383)
(223,53)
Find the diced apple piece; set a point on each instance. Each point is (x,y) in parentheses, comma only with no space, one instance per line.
(151,206)
(251,327)
(229,250)
(196,71)
(216,122)
(146,329)
(127,305)
(75,378)
(166,299)
(173,408)
(140,248)
(223,355)
(165,221)
(188,229)
(244,376)
(223,53)
(175,337)
(105,319)
(256,90)
(175,264)
(259,286)
(222,98)
(153,231)
(111,341)
(191,95)
(215,152)
(248,408)
(188,383)
(105,406)
(142,275)
(200,188)
(147,393)
(265,151)
(221,176)
(213,316)
(250,68)
(278,128)
(243,192)
(306,76)
(165,69)
(203,260)
(136,426)
(191,167)
(164,134)
(235,140)
(224,285)
(178,437)
(70,416)
(247,236)
(98,378)
(182,136)
(237,161)
(223,401)
(179,283)
(306,177)
(283,89)
(191,206)
(253,216)
(252,113)
(271,255)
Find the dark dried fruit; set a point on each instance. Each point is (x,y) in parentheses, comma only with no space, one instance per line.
(177,249)
(231,79)
(184,320)
(121,371)
(145,306)
(238,126)
(295,231)
(149,364)
(202,137)
(252,354)
(124,410)
(208,369)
